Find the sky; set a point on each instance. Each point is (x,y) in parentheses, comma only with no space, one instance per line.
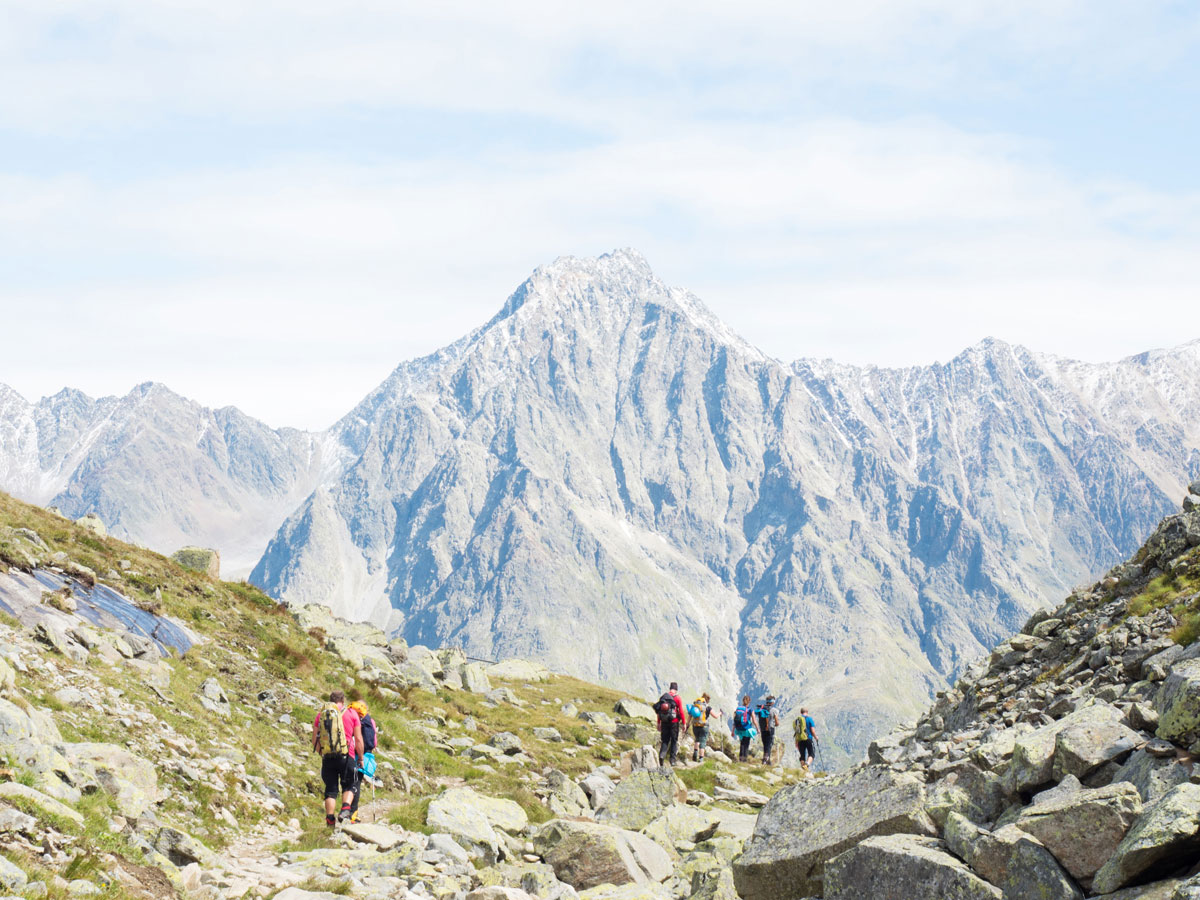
(271,204)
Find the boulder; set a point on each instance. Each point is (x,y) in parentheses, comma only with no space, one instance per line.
(212,697)
(131,780)
(18,725)
(1081,749)
(199,559)
(1165,836)
(587,854)
(180,847)
(598,787)
(645,757)
(1083,829)
(506,742)
(600,721)
(740,795)
(566,798)
(806,825)
(635,709)
(93,523)
(474,678)
(498,892)
(683,825)
(1011,859)
(1152,775)
(11,877)
(1033,754)
(11,790)
(472,819)
(1178,703)
(639,799)
(549,735)
(377,835)
(522,670)
(901,867)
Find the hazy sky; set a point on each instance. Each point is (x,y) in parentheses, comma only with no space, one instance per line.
(270,204)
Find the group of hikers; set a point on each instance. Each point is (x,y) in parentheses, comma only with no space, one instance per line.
(675,719)
(346,736)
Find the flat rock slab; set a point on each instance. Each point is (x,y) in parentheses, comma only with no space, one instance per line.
(806,825)
(903,867)
(379,835)
(586,855)
(11,790)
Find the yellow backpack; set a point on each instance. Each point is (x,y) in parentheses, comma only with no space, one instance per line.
(331,733)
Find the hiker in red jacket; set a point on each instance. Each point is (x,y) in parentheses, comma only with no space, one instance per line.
(671,719)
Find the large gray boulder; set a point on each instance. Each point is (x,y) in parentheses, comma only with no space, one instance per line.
(1081,749)
(1178,703)
(1011,859)
(1164,836)
(639,799)
(903,867)
(1083,829)
(473,820)
(1032,764)
(806,825)
(587,854)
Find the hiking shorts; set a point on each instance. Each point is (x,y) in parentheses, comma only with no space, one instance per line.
(701,733)
(805,748)
(337,771)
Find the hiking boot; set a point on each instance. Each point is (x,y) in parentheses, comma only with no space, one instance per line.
(330,819)
(344,814)
(353,818)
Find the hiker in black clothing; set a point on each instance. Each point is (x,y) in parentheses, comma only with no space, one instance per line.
(768,721)
(805,734)
(669,710)
(370,737)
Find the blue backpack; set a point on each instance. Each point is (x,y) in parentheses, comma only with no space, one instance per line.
(742,718)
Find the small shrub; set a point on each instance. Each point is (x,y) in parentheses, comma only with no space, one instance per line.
(1188,629)
(291,658)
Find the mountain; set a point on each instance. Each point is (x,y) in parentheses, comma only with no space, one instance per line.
(606,478)
(159,469)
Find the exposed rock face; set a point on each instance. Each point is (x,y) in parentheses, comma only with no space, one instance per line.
(585,854)
(1049,772)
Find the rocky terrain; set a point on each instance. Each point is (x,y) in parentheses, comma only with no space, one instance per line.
(1063,766)
(607,479)
(154,742)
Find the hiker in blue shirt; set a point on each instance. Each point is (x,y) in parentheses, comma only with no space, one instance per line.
(768,722)
(743,728)
(805,734)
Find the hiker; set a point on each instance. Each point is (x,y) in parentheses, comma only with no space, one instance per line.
(804,731)
(669,709)
(743,728)
(337,736)
(768,721)
(699,713)
(370,737)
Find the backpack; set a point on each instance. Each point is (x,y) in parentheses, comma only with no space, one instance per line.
(699,712)
(331,732)
(668,712)
(764,718)
(742,719)
(368,733)
(800,728)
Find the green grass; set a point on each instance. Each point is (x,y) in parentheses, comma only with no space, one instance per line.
(411,814)
(701,778)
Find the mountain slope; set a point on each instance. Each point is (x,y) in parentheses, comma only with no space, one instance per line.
(606,478)
(159,469)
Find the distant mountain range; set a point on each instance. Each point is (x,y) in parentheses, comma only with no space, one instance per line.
(606,478)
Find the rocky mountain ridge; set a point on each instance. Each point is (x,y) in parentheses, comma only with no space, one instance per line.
(606,459)
(1061,766)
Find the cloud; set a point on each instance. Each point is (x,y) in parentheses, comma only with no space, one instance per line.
(275,270)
